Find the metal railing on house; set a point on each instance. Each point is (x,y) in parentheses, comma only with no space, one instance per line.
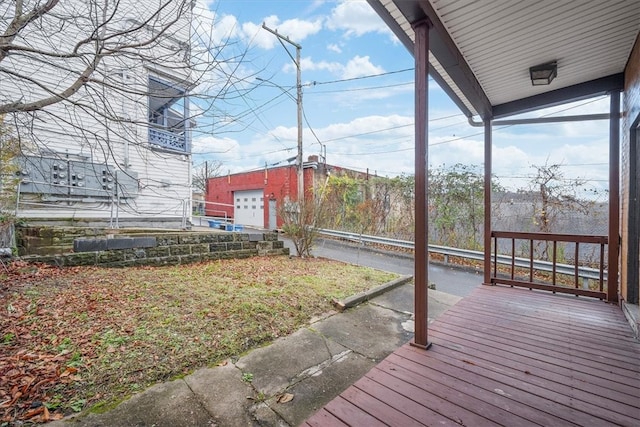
(215,218)
(203,220)
(582,276)
(167,139)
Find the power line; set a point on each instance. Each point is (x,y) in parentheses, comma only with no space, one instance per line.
(458,138)
(361,88)
(254,110)
(315,83)
(368,133)
(388,129)
(570,180)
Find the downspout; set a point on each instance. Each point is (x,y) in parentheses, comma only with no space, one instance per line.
(614,197)
(487,200)
(188,211)
(126,120)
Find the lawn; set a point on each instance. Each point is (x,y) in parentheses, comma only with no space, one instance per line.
(75,338)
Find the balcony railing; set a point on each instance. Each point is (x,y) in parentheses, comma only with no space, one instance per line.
(168,140)
(523,271)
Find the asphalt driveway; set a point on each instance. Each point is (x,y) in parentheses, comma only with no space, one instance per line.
(452,280)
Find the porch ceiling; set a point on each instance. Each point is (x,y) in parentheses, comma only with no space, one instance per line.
(481,51)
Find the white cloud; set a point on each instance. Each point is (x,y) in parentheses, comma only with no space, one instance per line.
(399,96)
(379,143)
(295,29)
(384,144)
(221,148)
(355,18)
(210,27)
(396,125)
(334,48)
(360,66)
(218,27)
(576,129)
(582,153)
(307,64)
(344,147)
(214,50)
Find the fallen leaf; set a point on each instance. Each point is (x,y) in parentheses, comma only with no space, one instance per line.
(223,363)
(284,398)
(57,416)
(67,372)
(32,413)
(468,362)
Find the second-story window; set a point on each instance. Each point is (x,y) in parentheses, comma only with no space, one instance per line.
(168,115)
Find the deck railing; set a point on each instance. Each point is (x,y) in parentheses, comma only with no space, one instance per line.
(523,271)
(586,274)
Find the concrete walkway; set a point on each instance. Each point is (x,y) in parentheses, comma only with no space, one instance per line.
(284,383)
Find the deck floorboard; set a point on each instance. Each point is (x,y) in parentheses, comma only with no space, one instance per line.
(505,356)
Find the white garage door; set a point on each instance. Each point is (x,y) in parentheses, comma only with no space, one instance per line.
(249,207)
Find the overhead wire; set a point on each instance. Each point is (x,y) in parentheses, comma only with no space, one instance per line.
(359,89)
(387,73)
(319,141)
(286,92)
(457,138)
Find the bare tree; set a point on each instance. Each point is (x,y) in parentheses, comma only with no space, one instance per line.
(555,196)
(100,79)
(300,218)
(203,172)
(8,150)
(101,30)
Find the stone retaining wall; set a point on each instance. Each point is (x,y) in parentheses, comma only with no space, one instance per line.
(121,248)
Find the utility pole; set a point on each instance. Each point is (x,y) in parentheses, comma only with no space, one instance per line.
(298,101)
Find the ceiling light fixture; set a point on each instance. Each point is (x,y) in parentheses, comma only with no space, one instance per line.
(543,74)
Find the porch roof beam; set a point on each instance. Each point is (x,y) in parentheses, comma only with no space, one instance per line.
(590,89)
(541,120)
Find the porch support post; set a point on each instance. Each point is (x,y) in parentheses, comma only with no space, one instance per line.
(614,197)
(487,201)
(421,254)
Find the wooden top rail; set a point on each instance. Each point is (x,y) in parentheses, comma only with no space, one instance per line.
(551,284)
(558,237)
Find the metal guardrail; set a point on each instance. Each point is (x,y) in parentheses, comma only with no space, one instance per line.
(583,272)
(203,220)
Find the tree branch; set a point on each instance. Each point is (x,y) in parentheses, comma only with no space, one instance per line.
(19,21)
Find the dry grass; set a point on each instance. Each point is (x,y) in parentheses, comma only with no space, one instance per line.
(72,338)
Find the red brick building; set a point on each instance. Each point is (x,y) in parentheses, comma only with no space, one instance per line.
(253,198)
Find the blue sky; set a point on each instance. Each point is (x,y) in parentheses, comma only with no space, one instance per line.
(358,100)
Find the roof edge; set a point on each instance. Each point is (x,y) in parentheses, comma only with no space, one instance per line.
(435,39)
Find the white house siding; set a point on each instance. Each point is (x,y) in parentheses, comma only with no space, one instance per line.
(92,129)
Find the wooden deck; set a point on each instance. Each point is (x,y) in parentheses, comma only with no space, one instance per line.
(504,356)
